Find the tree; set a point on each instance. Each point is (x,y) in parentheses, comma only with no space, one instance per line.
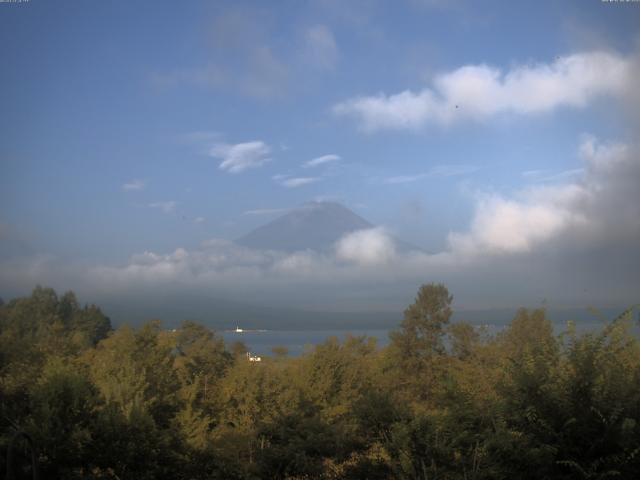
(62,417)
(201,351)
(133,369)
(413,354)
(200,362)
(464,340)
(424,322)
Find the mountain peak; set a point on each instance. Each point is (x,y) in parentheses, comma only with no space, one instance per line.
(312,226)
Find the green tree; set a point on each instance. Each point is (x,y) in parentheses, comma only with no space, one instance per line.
(63,411)
(415,350)
(200,357)
(133,369)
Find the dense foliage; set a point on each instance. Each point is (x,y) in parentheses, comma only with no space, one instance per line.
(442,401)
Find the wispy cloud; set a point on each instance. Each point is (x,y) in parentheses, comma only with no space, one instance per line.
(134,185)
(199,220)
(551,176)
(294,182)
(404,178)
(166,207)
(452,170)
(329,198)
(243,58)
(321,49)
(239,157)
(265,211)
(478,92)
(324,159)
(435,172)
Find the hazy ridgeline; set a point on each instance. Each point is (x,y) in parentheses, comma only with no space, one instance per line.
(442,401)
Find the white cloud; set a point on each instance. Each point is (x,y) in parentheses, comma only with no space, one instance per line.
(166,207)
(134,185)
(366,247)
(199,220)
(538,214)
(478,92)
(321,49)
(294,182)
(321,160)
(509,226)
(401,111)
(241,156)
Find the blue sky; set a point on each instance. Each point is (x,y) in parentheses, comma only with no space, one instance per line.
(117,116)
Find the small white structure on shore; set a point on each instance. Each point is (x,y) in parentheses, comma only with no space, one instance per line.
(238,329)
(253,358)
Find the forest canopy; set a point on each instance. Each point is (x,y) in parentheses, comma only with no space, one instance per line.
(442,401)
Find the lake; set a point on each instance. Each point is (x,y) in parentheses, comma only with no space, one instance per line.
(260,342)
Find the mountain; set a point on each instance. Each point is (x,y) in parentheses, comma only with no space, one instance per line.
(314,225)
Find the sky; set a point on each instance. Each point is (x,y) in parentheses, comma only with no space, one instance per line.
(139,139)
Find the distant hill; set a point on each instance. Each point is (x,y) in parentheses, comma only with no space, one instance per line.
(314,225)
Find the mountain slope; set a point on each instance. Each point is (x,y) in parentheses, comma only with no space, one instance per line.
(315,225)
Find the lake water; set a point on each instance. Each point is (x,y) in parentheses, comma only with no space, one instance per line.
(261,342)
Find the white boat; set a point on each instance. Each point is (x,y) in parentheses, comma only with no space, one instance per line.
(238,329)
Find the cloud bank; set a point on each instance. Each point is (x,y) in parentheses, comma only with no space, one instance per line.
(577,240)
